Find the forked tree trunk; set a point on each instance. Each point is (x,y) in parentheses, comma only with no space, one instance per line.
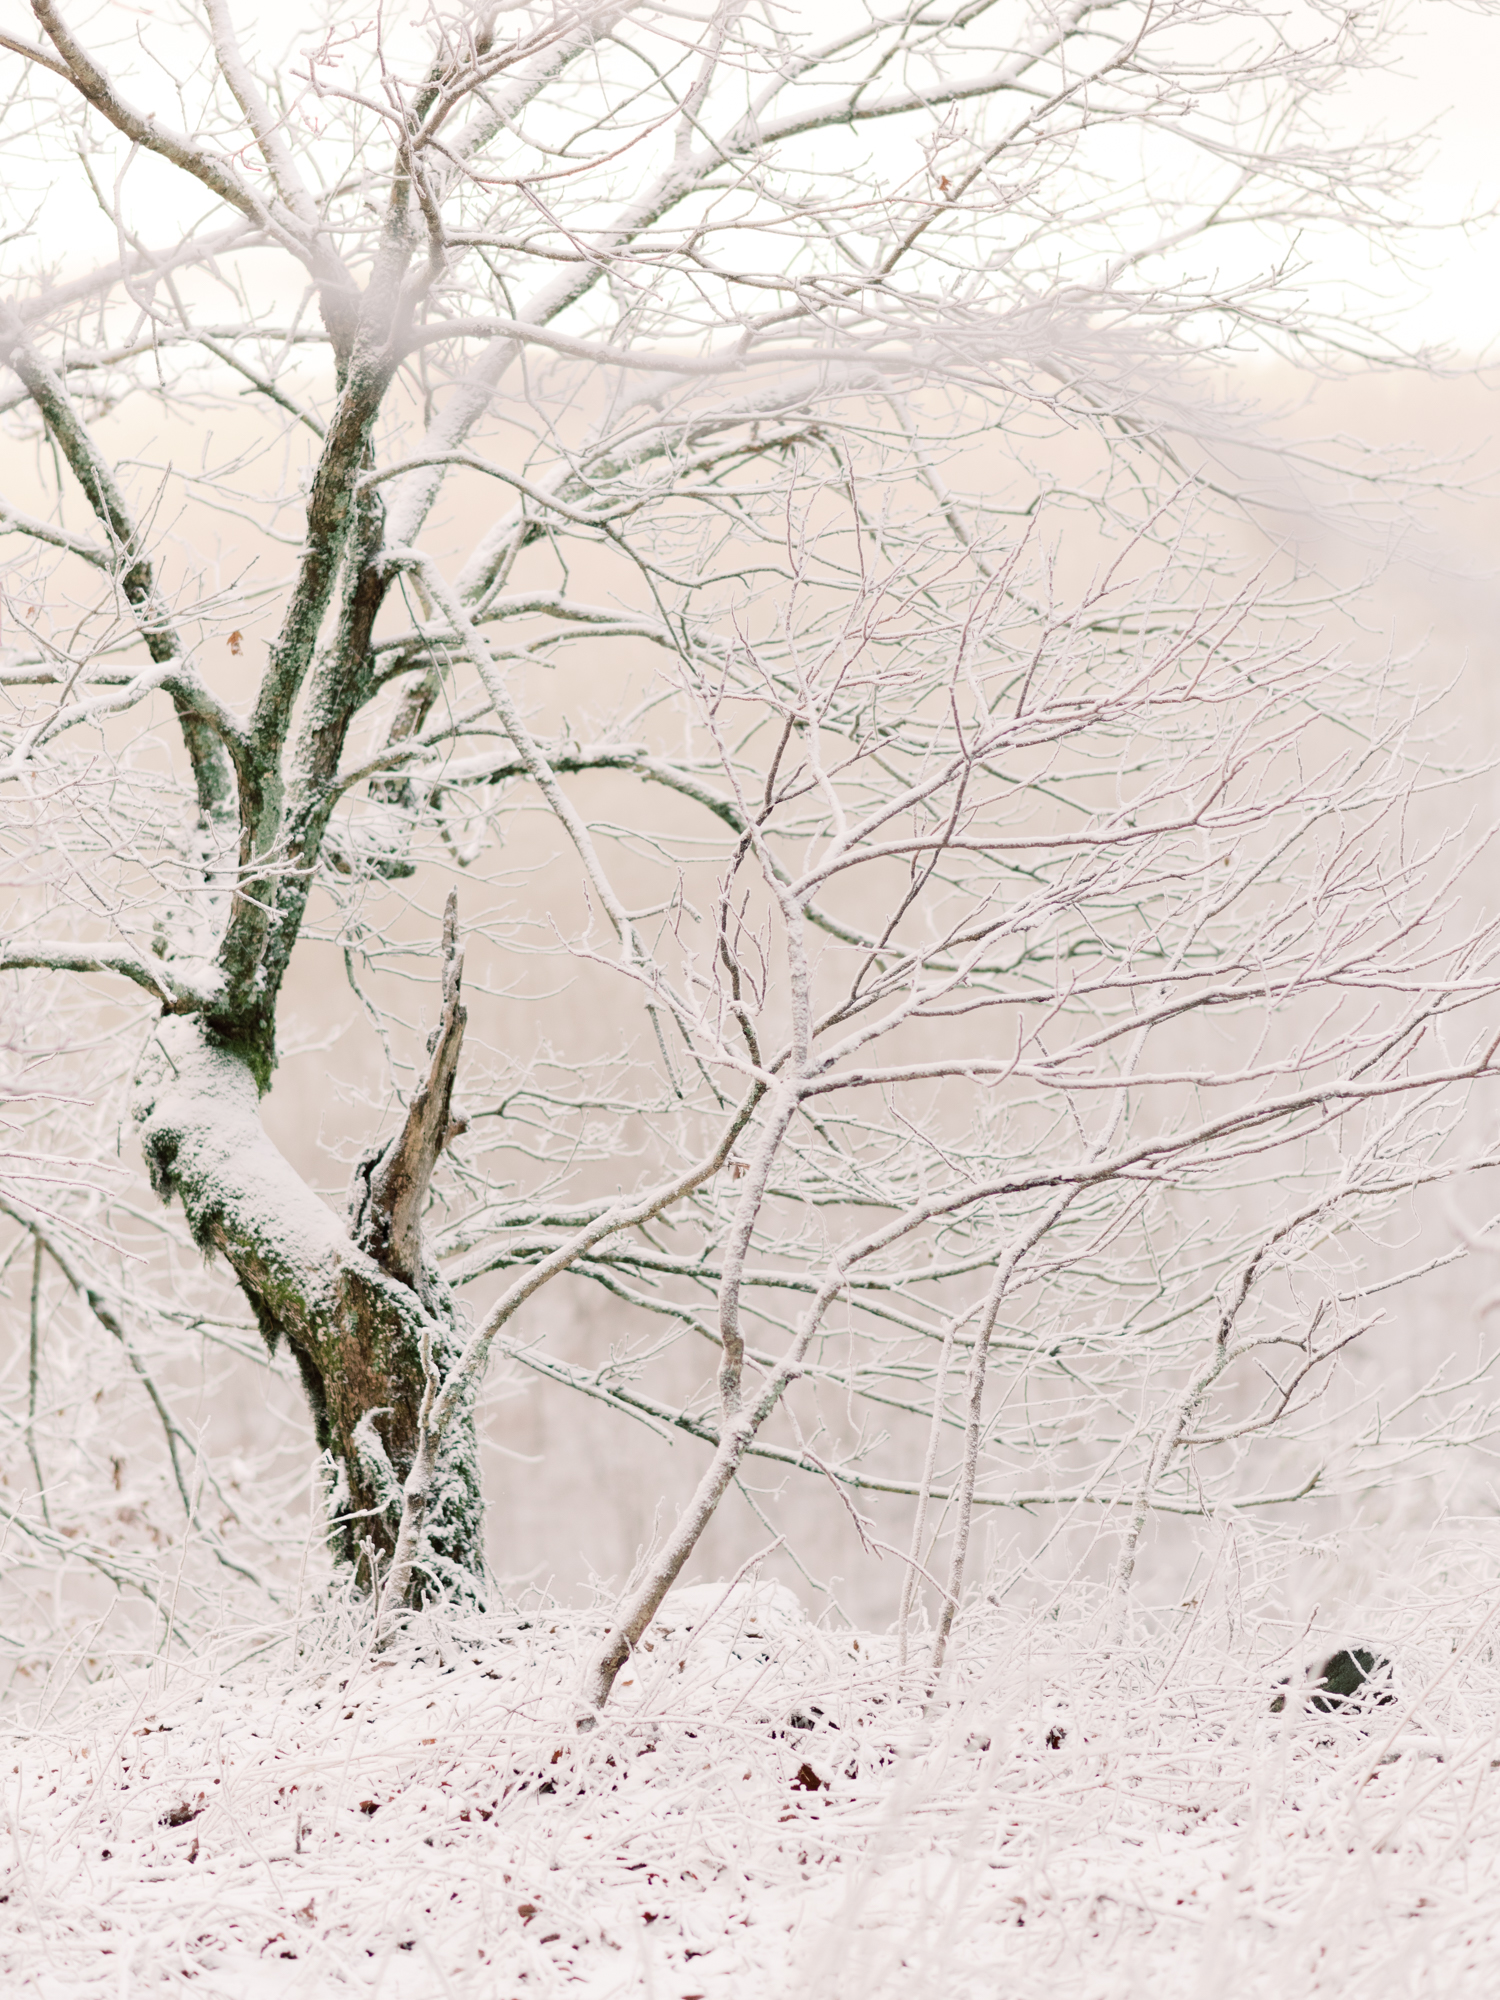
(365,1315)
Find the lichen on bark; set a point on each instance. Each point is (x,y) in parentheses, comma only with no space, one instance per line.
(363,1339)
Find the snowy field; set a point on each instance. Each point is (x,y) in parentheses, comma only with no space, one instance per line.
(764,1810)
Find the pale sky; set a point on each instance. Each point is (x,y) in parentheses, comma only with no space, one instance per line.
(1451,79)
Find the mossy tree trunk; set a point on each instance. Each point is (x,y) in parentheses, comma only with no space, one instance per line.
(366,1316)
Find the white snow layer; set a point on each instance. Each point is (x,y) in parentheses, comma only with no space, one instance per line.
(763,1811)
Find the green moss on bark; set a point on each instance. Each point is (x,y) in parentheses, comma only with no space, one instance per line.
(357,1333)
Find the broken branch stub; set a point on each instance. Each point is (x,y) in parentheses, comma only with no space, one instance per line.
(391,1185)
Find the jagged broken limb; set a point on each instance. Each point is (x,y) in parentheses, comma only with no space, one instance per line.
(365,1313)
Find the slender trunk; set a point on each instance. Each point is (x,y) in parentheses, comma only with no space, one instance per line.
(665,1569)
(974,1421)
(924,1495)
(32,1373)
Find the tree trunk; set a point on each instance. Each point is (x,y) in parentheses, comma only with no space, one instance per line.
(362,1312)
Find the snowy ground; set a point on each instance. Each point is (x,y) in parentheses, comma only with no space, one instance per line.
(763,1812)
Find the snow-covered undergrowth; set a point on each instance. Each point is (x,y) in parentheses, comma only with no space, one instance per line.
(764,1810)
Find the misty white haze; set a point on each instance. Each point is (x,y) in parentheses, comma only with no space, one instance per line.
(751,1040)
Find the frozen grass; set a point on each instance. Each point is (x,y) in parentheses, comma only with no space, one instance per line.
(765,1811)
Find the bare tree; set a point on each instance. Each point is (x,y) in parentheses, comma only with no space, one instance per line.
(1017,954)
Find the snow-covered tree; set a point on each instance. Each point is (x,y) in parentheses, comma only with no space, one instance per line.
(771,460)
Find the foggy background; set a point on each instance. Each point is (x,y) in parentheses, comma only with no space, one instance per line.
(574,1492)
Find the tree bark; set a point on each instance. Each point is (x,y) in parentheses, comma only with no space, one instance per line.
(364,1315)
(390,1186)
